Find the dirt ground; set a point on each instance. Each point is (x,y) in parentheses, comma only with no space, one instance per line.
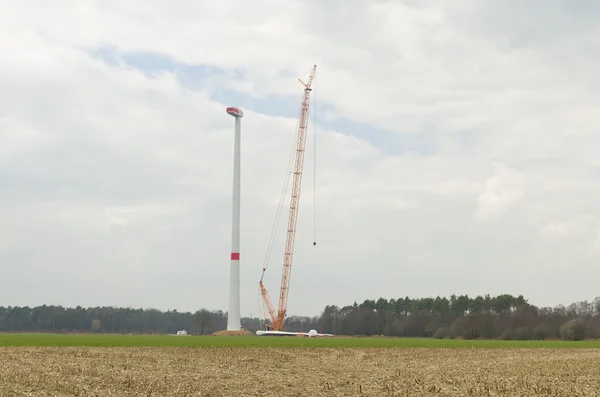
(298,372)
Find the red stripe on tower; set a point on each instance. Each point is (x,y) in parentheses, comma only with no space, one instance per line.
(235,256)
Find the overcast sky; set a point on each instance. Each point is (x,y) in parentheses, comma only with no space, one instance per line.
(457,149)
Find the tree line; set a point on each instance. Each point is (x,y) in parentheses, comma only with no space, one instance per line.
(482,317)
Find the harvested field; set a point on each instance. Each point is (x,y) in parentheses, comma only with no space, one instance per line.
(113,340)
(84,371)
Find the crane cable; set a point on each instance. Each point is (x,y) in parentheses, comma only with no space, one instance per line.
(280,205)
(315,162)
(278,213)
(276,222)
(285,186)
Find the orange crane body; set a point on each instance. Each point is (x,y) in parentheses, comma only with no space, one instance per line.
(277,320)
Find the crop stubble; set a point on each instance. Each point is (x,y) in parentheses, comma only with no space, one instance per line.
(77,371)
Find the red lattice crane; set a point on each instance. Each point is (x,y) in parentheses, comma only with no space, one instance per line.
(277,320)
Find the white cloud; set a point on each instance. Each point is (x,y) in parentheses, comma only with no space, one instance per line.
(500,192)
(116,184)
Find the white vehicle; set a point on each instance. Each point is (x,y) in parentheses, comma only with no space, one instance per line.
(311,334)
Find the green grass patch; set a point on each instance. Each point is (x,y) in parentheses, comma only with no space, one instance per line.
(254,341)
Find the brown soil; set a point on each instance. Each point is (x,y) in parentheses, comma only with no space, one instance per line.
(56,371)
(234,333)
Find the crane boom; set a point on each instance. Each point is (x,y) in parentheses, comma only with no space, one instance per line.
(278,319)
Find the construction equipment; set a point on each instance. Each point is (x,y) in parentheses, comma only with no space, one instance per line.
(277,320)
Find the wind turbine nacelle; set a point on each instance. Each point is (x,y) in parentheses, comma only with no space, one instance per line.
(235,112)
